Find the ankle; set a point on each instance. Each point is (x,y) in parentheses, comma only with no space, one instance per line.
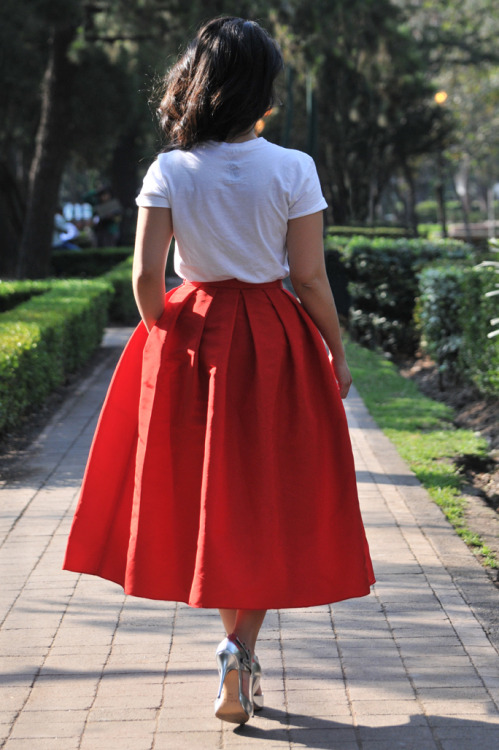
(248,643)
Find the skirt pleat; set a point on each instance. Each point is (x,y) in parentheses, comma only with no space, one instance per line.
(221,472)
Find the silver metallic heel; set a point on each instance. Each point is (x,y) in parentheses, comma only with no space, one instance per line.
(231,704)
(223,661)
(256,677)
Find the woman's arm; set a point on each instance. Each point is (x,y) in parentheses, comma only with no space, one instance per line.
(310,282)
(152,240)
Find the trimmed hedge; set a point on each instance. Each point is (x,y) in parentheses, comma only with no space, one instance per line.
(13,293)
(454,314)
(438,316)
(122,308)
(383,287)
(87,263)
(367,231)
(46,338)
(50,328)
(479,355)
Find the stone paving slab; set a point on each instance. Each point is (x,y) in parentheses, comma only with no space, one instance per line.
(415,665)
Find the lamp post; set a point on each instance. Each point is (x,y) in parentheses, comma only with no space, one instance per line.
(440,99)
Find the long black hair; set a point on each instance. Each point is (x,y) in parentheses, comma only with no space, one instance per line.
(222,84)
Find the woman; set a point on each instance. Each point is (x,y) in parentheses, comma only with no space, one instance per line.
(221,472)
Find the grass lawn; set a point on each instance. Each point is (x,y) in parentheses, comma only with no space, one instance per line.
(423,433)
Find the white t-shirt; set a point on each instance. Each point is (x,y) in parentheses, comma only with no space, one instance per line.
(230,205)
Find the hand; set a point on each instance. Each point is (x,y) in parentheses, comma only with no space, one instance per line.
(343,375)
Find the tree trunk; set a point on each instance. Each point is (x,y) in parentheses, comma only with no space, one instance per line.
(337,193)
(412,216)
(11,221)
(440,195)
(124,180)
(461,186)
(51,151)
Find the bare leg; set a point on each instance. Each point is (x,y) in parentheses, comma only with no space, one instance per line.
(245,623)
(229,619)
(248,624)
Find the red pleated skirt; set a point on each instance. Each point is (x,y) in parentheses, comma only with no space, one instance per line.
(221,472)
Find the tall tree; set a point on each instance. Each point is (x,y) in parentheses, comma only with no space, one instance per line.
(22,56)
(375,104)
(52,148)
(72,38)
(459,40)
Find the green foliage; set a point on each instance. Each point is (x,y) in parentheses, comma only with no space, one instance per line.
(430,231)
(374,102)
(123,308)
(12,293)
(454,314)
(427,212)
(438,315)
(56,331)
(479,354)
(349,232)
(103,101)
(384,287)
(46,338)
(87,263)
(336,242)
(423,433)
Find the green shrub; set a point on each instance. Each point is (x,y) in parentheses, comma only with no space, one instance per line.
(479,354)
(13,293)
(454,314)
(455,214)
(367,231)
(336,242)
(122,308)
(47,336)
(376,331)
(427,212)
(384,287)
(430,231)
(439,316)
(87,263)
(44,339)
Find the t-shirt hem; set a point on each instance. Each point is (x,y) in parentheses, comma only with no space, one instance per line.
(312,210)
(147,202)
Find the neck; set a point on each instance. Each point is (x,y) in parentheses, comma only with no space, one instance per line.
(248,135)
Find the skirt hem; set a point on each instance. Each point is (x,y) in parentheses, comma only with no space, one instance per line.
(261,604)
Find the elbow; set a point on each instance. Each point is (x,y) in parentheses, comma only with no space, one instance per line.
(142,276)
(306,282)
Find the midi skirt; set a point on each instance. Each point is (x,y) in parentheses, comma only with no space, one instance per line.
(221,471)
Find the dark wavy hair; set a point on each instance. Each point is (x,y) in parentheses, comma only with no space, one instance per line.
(222,84)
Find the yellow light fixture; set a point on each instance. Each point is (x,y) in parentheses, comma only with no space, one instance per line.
(441,97)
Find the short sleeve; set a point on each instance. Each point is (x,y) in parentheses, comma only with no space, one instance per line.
(307,198)
(154,191)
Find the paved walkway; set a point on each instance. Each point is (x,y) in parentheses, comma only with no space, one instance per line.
(412,666)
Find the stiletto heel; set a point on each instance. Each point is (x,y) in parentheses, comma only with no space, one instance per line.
(256,677)
(231,704)
(223,660)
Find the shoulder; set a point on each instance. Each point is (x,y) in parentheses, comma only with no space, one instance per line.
(289,155)
(294,161)
(166,159)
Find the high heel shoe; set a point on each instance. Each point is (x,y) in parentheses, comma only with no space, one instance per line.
(233,659)
(256,676)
